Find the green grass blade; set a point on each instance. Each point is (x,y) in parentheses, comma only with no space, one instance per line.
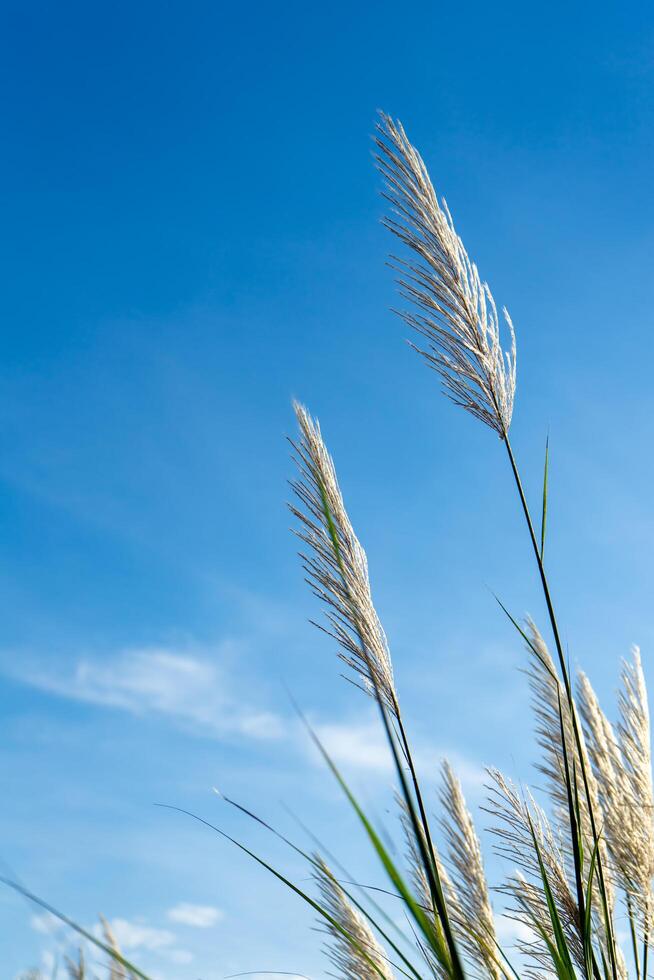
(315,864)
(563,958)
(115,956)
(434,940)
(633,934)
(281,877)
(543,521)
(574,817)
(591,966)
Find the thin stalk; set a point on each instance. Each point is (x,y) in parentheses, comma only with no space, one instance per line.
(569,696)
(634,940)
(645,952)
(573,813)
(429,858)
(316,864)
(404,742)
(286,881)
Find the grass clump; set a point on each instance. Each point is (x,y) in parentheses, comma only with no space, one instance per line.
(575,868)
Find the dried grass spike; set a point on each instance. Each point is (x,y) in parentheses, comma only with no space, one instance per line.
(476,923)
(454,310)
(344,954)
(336,564)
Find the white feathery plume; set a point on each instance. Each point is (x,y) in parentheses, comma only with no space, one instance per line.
(76,969)
(344,954)
(516,818)
(456,312)
(473,913)
(336,564)
(634,734)
(116,970)
(623,769)
(608,769)
(547,694)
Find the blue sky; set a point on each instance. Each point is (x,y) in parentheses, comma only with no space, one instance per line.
(191,238)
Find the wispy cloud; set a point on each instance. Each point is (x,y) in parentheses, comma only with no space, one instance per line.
(198,916)
(198,694)
(357,745)
(363,745)
(193,692)
(511,932)
(139,937)
(45,923)
(133,935)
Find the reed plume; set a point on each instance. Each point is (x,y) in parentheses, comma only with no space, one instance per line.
(353,948)
(471,911)
(336,564)
(634,734)
(555,733)
(116,970)
(622,764)
(522,831)
(77,968)
(456,312)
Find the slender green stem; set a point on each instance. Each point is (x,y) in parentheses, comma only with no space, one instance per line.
(573,811)
(541,570)
(634,940)
(569,696)
(441,905)
(645,953)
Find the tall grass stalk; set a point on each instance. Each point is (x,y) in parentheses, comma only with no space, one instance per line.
(575,868)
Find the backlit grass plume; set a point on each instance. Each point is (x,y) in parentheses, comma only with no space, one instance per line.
(525,838)
(76,968)
(621,760)
(578,852)
(336,564)
(454,309)
(353,949)
(472,910)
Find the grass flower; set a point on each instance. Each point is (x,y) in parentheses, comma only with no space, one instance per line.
(621,760)
(352,948)
(472,910)
(454,309)
(336,564)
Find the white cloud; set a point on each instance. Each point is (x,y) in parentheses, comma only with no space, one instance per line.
(472,775)
(45,923)
(363,745)
(510,932)
(199,916)
(191,691)
(181,956)
(134,935)
(48,963)
(138,937)
(359,745)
